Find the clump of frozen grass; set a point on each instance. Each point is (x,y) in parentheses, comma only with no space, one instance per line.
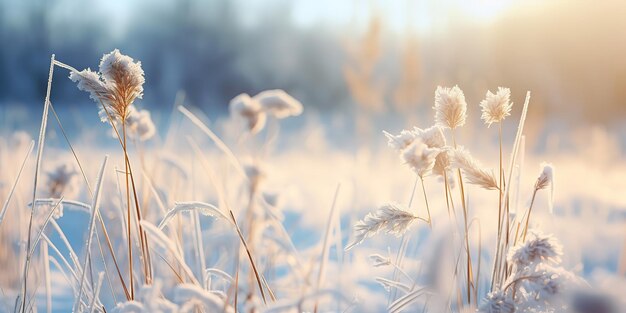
(450,107)
(192,297)
(116,87)
(538,248)
(537,281)
(391,218)
(496,106)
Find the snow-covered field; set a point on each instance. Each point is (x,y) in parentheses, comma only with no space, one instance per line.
(239,214)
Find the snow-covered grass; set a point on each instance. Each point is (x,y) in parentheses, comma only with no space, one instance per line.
(212,217)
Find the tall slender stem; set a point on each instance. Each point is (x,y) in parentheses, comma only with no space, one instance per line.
(40,144)
(498,253)
(530,209)
(467,245)
(426,200)
(128,216)
(403,245)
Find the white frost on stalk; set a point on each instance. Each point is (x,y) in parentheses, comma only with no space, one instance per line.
(205,209)
(278,103)
(391,218)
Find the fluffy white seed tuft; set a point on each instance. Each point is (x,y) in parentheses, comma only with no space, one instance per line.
(117,86)
(450,107)
(496,106)
(420,158)
(537,248)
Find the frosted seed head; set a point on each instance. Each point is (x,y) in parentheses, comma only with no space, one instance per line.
(278,103)
(433,136)
(420,158)
(495,107)
(402,140)
(450,107)
(537,248)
